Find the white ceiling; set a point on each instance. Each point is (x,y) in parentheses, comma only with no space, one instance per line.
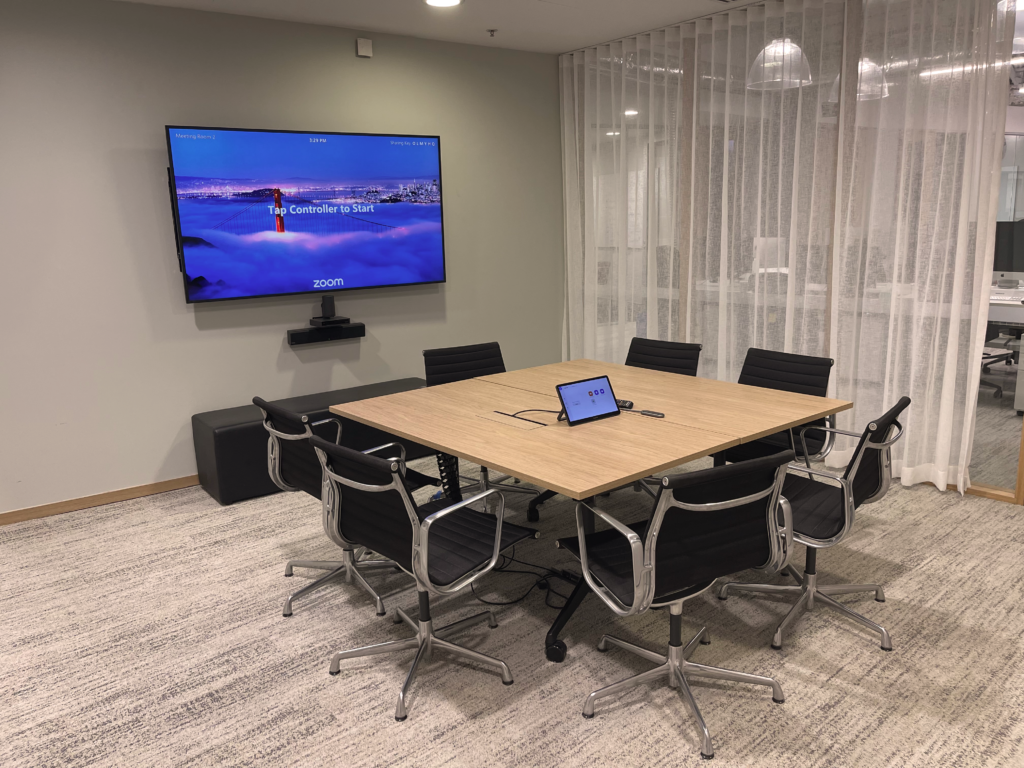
(549,26)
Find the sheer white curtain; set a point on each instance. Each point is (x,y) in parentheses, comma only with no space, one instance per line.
(622,106)
(919,177)
(724,185)
(699,197)
(764,145)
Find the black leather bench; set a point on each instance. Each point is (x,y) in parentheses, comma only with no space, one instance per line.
(231,444)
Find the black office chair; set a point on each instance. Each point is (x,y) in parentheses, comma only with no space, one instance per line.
(993,333)
(293,466)
(444,546)
(451,364)
(785,372)
(704,525)
(667,356)
(824,514)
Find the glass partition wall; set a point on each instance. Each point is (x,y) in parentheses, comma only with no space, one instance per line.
(995,457)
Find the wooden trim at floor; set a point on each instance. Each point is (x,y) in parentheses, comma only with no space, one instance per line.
(71,505)
(991,492)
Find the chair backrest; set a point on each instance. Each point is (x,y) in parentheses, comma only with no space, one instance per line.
(444,366)
(786,372)
(668,356)
(870,470)
(716,522)
(374,506)
(291,461)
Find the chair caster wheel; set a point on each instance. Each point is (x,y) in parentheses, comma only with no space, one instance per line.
(706,757)
(382,613)
(778,701)
(588,717)
(508,683)
(334,674)
(879,601)
(723,597)
(532,515)
(286,615)
(705,642)
(401,719)
(288,575)
(556,652)
(602,650)
(776,647)
(887,650)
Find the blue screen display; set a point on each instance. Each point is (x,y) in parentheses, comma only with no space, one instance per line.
(262,213)
(586,399)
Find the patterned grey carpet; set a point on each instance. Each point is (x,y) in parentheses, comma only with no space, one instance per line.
(149,633)
(997,431)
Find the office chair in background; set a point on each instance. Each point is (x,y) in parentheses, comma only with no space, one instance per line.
(785,372)
(704,525)
(444,545)
(824,514)
(451,364)
(293,466)
(667,356)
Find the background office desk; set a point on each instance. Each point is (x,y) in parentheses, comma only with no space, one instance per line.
(701,417)
(1005,310)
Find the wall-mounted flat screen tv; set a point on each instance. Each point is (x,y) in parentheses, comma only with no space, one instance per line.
(265,213)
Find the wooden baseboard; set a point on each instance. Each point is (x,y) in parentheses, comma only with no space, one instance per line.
(991,492)
(71,505)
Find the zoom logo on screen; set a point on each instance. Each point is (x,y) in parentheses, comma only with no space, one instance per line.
(329,283)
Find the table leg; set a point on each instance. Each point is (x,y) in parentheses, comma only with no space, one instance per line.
(554,648)
(448,469)
(532,513)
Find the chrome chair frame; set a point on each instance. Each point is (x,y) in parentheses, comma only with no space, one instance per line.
(675,666)
(807,590)
(644,484)
(353,558)
(427,638)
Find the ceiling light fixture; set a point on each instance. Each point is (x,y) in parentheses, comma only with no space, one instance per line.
(779,67)
(631,113)
(443,3)
(871,83)
(612,133)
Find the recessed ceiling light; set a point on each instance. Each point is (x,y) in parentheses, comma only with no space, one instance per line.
(612,133)
(443,3)
(630,113)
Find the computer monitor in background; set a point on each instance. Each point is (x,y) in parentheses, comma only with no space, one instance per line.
(1009,258)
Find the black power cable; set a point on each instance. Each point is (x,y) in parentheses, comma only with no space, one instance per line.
(543,581)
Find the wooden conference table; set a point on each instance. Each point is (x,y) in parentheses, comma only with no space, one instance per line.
(702,416)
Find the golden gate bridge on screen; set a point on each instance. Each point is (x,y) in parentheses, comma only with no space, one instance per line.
(326,216)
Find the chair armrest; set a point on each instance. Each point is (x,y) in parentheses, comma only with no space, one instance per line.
(811,471)
(787,533)
(423,550)
(829,429)
(641,569)
(401,450)
(329,420)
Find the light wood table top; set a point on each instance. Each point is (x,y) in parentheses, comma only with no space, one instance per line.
(742,412)
(702,417)
(580,461)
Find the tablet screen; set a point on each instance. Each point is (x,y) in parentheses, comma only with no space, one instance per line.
(587,400)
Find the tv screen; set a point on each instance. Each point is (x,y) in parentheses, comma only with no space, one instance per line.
(263,213)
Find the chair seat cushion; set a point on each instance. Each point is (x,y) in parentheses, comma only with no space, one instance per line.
(817,507)
(416,480)
(464,540)
(611,561)
(772,444)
